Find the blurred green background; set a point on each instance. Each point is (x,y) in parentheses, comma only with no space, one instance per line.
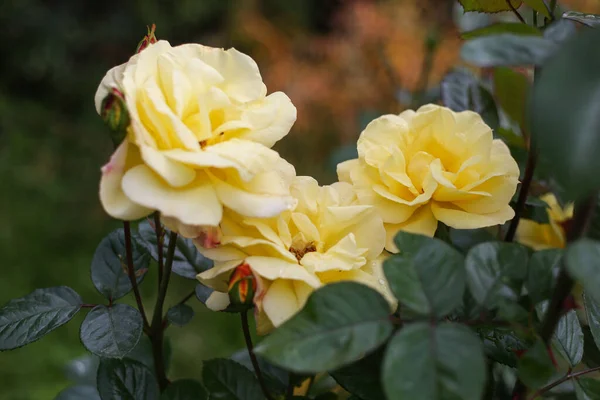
(342,62)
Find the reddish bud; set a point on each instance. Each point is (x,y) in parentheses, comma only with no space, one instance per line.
(149,39)
(242,285)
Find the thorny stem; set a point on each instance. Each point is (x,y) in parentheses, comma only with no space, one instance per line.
(564,284)
(248,339)
(156,329)
(514,10)
(522,199)
(131,272)
(562,380)
(552,9)
(159,245)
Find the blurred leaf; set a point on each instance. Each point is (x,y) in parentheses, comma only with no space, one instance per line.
(126,380)
(543,269)
(511,90)
(539,6)
(560,30)
(502,345)
(516,28)
(511,138)
(583,263)
(339,323)
(227,380)
(109,265)
(592,20)
(587,389)
(568,86)
(464,239)
(83,370)
(594,228)
(568,338)
(489,6)
(180,314)
(27,319)
(536,210)
(185,389)
(592,312)
(424,361)
(203,292)
(507,50)
(461,91)
(495,272)
(362,378)
(428,276)
(111,332)
(276,378)
(535,366)
(591,353)
(187,261)
(80,392)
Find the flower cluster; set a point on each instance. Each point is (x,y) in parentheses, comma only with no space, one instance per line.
(194,128)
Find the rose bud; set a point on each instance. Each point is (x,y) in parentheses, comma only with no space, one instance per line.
(242,286)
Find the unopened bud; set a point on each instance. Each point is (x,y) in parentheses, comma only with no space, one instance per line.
(115,115)
(242,286)
(149,39)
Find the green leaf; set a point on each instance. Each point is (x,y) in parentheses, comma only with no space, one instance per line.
(276,378)
(79,392)
(568,86)
(543,269)
(83,370)
(227,380)
(461,91)
(362,378)
(338,325)
(583,263)
(539,6)
(560,30)
(495,272)
(511,90)
(587,389)
(425,361)
(502,344)
(428,276)
(568,338)
(591,20)
(109,265)
(111,332)
(27,319)
(505,50)
(511,138)
(535,367)
(594,228)
(465,239)
(185,389)
(180,314)
(592,312)
(187,261)
(488,6)
(126,380)
(203,292)
(516,28)
(142,353)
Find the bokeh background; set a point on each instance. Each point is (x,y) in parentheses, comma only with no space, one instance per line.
(342,62)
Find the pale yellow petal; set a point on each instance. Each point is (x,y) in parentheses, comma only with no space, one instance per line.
(217,277)
(194,204)
(174,173)
(345,168)
(343,256)
(217,301)
(421,222)
(273,268)
(460,219)
(269,119)
(112,197)
(280,302)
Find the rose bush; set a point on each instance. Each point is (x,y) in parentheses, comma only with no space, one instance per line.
(327,237)
(418,168)
(201,126)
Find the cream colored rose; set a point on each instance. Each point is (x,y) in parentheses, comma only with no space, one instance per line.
(418,168)
(199,138)
(328,237)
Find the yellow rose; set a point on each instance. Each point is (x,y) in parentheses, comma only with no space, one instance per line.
(545,236)
(199,138)
(326,238)
(418,168)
